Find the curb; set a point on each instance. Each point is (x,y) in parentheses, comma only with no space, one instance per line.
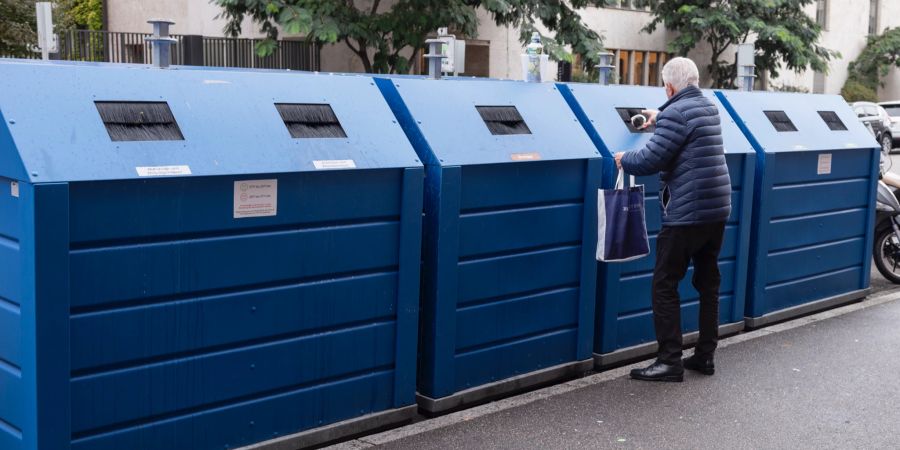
(591,380)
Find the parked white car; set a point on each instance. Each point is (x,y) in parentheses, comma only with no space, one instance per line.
(893,110)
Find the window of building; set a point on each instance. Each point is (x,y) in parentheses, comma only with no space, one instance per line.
(873,16)
(637,5)
(640,67)
(477,59)
(822,13)
(624,74)
(653,68)
(646,66)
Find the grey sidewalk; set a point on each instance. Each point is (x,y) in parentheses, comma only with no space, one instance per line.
(826,381)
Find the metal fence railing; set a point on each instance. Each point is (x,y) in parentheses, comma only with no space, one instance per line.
(133,48)
(114,47)
(226,52)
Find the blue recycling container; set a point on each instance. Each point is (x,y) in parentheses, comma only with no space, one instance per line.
(201,260)
(509,238)
(624,316)
(814,205)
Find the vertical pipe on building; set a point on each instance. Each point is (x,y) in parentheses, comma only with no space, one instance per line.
(661,61)
(161,42)
(746,66)
(631,60)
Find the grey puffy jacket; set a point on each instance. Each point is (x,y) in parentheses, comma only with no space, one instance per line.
(686,150)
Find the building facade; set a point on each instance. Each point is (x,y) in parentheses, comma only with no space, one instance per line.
(495,51)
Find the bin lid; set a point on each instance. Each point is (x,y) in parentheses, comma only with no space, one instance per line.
(480,121)
(605,108)
(781,121)
(59,122)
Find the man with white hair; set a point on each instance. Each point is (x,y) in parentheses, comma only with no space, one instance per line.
(695,199)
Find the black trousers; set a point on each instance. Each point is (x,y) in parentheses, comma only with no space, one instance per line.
(676,247)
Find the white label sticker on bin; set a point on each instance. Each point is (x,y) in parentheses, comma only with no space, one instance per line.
(531,156)
(334,164)
(14,188)
(824,164)
(163,171)
(255,198)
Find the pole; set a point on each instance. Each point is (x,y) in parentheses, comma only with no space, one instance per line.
(46,38)
(746,66)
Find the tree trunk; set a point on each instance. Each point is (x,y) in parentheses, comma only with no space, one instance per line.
(362,52)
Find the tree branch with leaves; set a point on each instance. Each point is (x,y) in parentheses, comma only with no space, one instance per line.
(387,36)
(868,70)
(786,37)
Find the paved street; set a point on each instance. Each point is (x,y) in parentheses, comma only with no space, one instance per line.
(827,381)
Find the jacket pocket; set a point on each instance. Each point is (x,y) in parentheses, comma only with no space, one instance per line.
(665,197)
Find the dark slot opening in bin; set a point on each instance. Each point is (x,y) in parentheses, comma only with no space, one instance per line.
(310,120)
(780,121)
(627,113)
(502,120)
(139,121)
(832,120)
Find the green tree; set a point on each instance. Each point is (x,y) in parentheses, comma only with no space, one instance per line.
(79,14)
(881,53)
(854,91)
(786,37)
(17,27)
(387,36)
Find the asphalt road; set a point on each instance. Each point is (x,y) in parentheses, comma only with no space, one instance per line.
(825,384)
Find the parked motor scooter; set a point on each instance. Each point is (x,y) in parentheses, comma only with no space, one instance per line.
(886,251)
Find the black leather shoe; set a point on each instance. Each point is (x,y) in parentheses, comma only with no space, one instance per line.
(659,372)
(699,363)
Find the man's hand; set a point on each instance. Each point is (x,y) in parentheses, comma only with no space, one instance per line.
(618,157)
(650,114)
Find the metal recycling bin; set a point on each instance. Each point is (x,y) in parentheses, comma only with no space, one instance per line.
(814,205)
(624,325)
(202,259)
(510,236)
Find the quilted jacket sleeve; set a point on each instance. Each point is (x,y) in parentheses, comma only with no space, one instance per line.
(671,134)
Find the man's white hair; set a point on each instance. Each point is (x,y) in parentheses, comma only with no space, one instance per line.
(681,73)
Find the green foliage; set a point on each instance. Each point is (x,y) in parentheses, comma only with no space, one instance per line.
(17,27)
(785,36)
(78,14)
(388,38)
(586,76)
(881,53)
(855,91)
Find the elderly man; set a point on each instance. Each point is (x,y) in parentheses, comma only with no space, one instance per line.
(695,199)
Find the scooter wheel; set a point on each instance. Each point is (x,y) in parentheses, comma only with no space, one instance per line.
(887,255)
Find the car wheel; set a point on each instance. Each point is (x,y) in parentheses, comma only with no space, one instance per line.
(887,143)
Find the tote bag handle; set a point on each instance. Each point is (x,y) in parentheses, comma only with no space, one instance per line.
(620,180)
